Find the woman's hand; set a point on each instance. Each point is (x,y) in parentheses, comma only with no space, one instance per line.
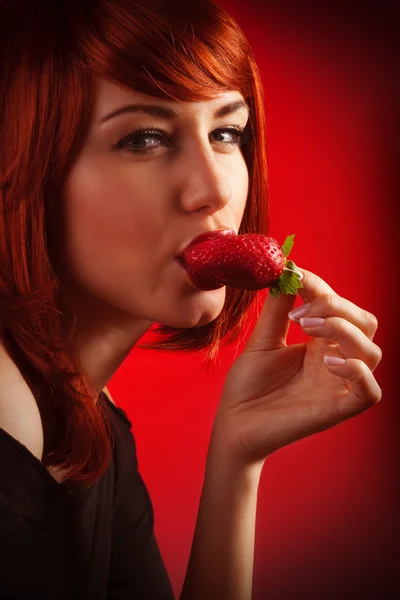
(276,394)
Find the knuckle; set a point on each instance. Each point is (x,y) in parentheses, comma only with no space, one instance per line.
(315,411)
(371,321)
(361,369)
(318,282)
(330,301)
(379,394)
(342,328)
(372,393)
(375,395)
(376,353)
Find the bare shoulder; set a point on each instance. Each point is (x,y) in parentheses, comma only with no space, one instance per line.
(19,412)
(107,393)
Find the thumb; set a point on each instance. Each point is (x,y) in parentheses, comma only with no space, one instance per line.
(271,329)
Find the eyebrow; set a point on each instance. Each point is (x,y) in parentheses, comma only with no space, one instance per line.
(168,113)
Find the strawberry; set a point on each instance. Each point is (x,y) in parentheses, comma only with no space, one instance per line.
(249,261)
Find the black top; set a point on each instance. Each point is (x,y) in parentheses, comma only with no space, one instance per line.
(59,542)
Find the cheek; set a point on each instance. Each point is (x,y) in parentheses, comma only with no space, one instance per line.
(240,188)
(104,200)
(105,224)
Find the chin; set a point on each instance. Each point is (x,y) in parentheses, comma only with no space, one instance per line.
(197,311)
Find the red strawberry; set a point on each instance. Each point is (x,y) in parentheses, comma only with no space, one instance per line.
(249,261)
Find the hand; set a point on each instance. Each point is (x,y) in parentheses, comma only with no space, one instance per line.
(275,394)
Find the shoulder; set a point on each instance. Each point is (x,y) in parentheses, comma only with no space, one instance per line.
(107,393)
(19,411)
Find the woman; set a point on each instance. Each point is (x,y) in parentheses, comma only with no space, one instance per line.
(128,128)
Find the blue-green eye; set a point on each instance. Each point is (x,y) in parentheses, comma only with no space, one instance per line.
(136,141)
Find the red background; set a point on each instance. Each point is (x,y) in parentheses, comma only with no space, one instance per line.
(328,520)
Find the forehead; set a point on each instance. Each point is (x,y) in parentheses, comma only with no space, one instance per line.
(110,96)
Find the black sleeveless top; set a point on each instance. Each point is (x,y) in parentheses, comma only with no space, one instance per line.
(67,544)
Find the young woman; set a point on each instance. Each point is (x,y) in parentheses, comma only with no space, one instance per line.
(129,127)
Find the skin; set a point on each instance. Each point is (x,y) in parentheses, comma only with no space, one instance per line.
(128,214)
(126,218)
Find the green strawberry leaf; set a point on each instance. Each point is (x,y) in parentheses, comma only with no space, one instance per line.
(288,245)
(274,290)
(288,283)
(290,265)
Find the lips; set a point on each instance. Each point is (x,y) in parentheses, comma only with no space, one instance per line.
(205,236)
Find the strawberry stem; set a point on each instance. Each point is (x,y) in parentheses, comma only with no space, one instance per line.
(289,281)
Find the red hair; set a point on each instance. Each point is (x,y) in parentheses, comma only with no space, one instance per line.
(50,56)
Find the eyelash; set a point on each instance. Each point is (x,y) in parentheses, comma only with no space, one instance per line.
(157,133)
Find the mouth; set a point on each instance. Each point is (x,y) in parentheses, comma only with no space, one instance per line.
(181,261)
(202,237)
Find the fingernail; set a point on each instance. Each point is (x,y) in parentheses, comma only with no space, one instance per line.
(311,321)
(333,360)
(299,311)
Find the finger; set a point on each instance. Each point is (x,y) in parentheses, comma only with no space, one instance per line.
(365,391)
(329,305)
(271,329)
(313,286)
(353,343)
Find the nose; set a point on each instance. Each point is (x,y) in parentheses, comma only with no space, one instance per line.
(205,186)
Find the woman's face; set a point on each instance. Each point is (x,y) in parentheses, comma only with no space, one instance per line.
(132,202)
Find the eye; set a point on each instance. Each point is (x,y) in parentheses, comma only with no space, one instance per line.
(136,141)
(237,131)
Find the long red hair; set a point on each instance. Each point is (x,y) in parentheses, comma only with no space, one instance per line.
(50,56)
